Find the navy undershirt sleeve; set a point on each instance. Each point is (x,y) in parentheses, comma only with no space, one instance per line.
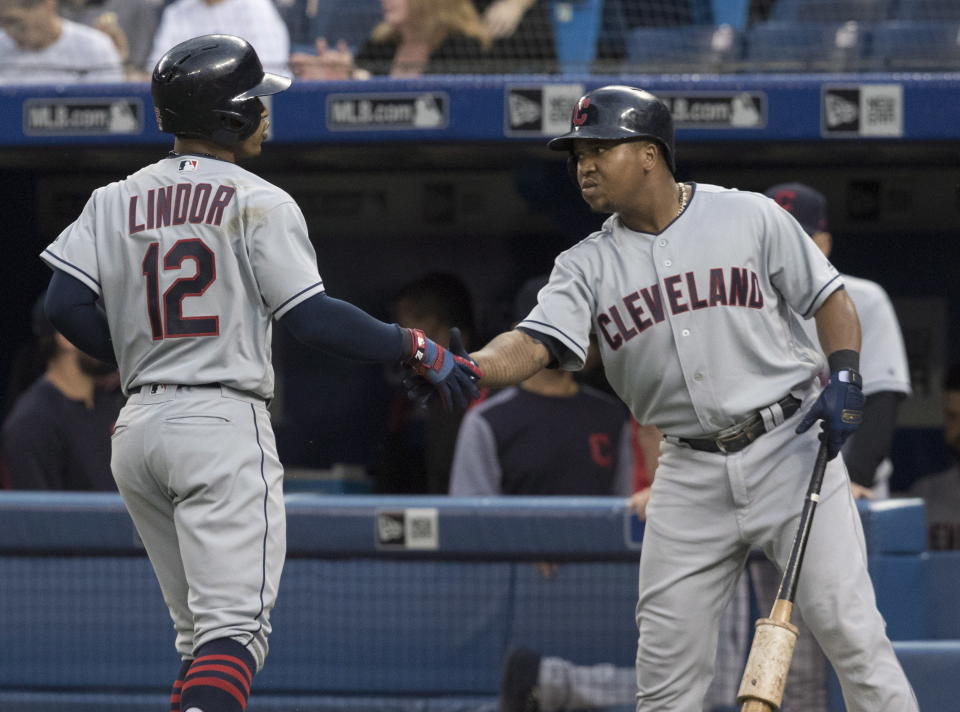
(342,329)
(71,306)
(551,344)
(868,447)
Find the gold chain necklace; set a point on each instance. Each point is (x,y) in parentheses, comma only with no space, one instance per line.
(682,198)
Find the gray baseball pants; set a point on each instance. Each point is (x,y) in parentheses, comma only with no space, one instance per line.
(198,471)
(706,511)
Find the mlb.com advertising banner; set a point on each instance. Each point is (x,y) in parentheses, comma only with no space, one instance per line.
(545,110)
(494,108)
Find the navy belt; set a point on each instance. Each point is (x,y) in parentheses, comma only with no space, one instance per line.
(739,436)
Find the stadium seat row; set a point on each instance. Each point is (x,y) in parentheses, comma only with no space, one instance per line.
(781,45)
(865,10)
(801,35)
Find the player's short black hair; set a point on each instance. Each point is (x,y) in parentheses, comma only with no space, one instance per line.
(951,381)
(440,294)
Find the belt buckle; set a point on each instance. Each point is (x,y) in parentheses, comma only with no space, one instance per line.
(720,442)
(734,432)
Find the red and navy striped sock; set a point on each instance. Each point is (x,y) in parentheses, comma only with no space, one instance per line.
(219,679)
(177,685)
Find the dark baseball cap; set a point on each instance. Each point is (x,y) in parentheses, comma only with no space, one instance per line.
(807,205)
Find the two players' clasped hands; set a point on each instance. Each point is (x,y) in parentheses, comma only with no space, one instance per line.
(448,372)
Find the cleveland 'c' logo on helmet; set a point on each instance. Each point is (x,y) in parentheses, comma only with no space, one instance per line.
(580,112)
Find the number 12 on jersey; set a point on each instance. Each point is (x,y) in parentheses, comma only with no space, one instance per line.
(166,312)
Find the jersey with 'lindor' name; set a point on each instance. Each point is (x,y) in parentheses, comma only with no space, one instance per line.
(193,257)
(697,325)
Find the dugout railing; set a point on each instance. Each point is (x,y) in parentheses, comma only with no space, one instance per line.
(388,604)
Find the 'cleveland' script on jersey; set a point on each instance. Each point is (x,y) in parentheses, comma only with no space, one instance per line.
(179,204)
(682,294)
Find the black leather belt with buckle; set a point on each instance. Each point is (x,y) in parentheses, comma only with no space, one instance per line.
(739,436)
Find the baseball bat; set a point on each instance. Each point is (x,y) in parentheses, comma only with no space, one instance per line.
(761,688)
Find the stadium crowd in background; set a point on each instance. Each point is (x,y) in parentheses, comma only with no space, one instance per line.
(413,37)
(39,46)
(131,25)
(257,21)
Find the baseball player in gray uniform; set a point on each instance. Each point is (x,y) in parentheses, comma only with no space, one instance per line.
(883,363)
(696,294)
(886,382)
(193,258)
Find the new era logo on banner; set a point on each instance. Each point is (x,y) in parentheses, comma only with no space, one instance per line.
(863,110)
(542,110)
(414,528)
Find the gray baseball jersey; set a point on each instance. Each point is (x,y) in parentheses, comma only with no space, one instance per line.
(699,327)
(684,318)
(193,257)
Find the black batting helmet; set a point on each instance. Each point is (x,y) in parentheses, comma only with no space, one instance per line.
(620,112)
(208,87)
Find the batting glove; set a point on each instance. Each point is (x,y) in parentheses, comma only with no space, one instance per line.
(451,373)
(840,407)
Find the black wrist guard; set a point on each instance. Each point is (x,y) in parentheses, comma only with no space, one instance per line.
(844,359)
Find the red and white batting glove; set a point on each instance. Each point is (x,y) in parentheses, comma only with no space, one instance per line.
(452,374)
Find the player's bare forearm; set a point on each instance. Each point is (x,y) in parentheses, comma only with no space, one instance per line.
(838,326)
(509,358)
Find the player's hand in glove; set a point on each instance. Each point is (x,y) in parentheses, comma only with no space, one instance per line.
(418,389)
(840,406)
(452,374)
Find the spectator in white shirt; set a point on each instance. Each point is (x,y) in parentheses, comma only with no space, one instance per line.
(38,46)
(256,21)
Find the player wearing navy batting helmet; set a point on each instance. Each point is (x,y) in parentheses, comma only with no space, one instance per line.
(696,294)
(194,259)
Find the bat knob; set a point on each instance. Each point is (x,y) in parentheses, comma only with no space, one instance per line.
(768,664)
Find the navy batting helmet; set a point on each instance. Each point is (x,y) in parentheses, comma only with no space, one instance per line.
(620,112)
(209,87)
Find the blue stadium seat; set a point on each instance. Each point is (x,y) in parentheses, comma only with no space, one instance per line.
(682,49)
(805,46)
(911,46)
(576,25)
(928,10)
(831,10)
